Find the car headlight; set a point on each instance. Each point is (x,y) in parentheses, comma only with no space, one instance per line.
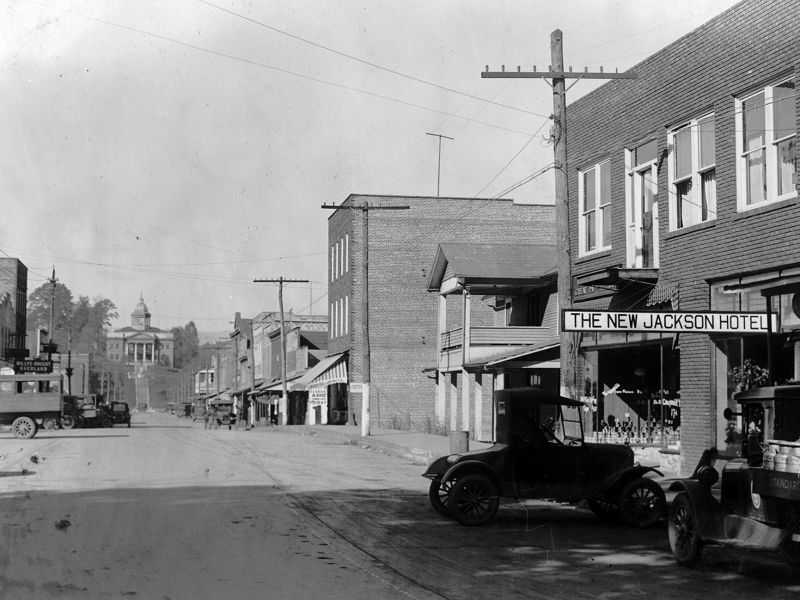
(452,459)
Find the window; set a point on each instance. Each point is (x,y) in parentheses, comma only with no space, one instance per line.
(333,265)
(692,173)
(765,145)
(641,206)
(594,191)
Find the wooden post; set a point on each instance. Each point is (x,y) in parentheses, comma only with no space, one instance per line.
(365,423)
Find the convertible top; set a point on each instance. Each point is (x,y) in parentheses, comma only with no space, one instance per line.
(536,395)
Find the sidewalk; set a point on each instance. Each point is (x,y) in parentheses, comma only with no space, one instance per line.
(421,448)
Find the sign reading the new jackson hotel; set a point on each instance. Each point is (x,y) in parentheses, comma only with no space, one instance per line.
(667,322)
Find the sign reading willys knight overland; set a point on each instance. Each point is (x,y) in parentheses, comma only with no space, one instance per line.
(666,322)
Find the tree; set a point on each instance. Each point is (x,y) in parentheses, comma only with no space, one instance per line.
(79,326)
(187,344)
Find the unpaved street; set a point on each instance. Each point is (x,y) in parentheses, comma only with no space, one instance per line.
(167,510)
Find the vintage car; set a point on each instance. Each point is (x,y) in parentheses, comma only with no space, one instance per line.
(540,453)
(120,413)
(85,411)
(754,502)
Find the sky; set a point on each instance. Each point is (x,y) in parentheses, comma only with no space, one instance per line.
(180,149)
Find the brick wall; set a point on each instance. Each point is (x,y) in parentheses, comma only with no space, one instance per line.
(403,314)
(747,47)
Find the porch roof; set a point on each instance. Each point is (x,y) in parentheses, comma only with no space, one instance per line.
(493,265)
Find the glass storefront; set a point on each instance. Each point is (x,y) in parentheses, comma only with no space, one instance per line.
(633,392)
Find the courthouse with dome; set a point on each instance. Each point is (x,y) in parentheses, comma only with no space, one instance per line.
(140,343)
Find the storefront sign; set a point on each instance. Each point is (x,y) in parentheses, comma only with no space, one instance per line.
(317,396)
(33,366)
(666,322)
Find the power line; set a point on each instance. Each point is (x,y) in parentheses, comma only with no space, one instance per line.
(365,62)
(274,68)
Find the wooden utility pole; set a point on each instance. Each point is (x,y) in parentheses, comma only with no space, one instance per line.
(365,376)
(282,407)
(568,341)
(439,164)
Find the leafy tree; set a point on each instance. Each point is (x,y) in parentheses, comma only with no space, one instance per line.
(187,344)
(79,326)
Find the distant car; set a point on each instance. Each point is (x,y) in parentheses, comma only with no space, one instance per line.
(120,413)
(541,453)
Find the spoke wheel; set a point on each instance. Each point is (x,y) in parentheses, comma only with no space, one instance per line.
(50,423)
(68,421)
(473,500)
(604,508)
(642,503)
(24,427)
(106,422)
(438,493)
(684,538)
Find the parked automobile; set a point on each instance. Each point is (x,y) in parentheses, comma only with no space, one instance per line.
(120,413)
(755,501)
(86,411)
(540,453)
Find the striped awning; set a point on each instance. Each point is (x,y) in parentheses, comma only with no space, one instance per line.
(331,369)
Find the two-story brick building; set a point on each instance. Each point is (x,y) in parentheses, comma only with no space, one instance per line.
(683,197)
(402,314)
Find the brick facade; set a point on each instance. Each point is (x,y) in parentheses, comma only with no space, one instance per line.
(748,47)
(402,313)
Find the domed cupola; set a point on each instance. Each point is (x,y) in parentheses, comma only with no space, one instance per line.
(140,317)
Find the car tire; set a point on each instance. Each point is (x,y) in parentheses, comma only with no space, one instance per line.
(438,493)
(474,500)
(24,428)
(68,421)
(106,422)
(684,538)
(604,508)
(642,503)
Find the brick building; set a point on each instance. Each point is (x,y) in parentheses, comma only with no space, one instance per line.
(403,314)
(13,309)
(683,197)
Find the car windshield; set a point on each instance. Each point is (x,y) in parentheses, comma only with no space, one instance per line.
(561,423)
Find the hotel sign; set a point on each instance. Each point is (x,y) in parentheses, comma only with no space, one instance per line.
(666,322)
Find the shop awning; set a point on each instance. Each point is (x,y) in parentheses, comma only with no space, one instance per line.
(546,355)
(331,369)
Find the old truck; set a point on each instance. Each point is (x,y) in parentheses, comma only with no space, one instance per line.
(27,400)
(751,501)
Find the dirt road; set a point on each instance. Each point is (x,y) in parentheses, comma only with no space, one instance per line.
(167,510)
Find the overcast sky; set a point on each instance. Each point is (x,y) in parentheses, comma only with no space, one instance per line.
(182,148)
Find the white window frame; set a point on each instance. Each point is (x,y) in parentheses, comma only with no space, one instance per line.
(770,150)
(634,176)
(697,171)
(600,207)
(346,252)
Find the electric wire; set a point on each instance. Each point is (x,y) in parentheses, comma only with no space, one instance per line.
(272,67)
(365,62)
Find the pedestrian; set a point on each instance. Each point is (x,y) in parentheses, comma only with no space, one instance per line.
(208,419)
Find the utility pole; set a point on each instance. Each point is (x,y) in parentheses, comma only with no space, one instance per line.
(555,72)
(285,394)
(51,347)
(365,208)
(439,167)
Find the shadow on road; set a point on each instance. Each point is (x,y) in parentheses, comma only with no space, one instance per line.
(20,473)
(537,550)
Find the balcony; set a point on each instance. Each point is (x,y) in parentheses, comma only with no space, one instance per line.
(487,342)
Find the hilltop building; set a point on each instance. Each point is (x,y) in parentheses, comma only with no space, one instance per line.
(140,343)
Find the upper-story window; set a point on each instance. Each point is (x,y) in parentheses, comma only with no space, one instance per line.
(641,206)
(766,130)
(594,191)
(692,173)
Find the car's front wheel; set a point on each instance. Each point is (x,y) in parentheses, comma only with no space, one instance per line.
(474,500)
(642,503)
(684,538)
(438,493)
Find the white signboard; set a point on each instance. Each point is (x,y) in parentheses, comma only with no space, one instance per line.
(666,322)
